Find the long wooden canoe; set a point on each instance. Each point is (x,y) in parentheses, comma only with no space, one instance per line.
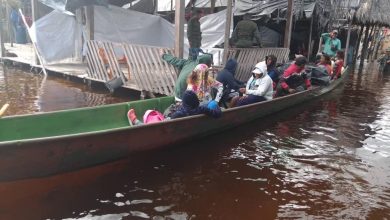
(44,144)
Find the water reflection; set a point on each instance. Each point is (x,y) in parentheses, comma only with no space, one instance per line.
(326,159)
(29,93)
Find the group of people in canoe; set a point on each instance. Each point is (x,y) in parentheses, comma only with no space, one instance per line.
(198,92)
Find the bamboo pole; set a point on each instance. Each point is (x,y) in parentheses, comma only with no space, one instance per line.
(179,28)
(287,31)
(229,16)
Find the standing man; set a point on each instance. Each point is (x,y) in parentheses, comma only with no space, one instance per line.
(244,33)
(194,34)
(331,43)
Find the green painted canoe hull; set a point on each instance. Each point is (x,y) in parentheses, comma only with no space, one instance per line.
(89,136)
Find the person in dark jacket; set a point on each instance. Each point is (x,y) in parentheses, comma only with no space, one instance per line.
(244,33)
(230,84)
(194,34)
(190,106)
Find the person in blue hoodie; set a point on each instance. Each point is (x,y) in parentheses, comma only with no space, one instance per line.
(230,84)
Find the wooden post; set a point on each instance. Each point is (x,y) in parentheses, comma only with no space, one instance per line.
(155,3)
(34,12)
(229,15)
(374,41)
(378,44)
(2,48)
(287,31)
(179,28)
(357,46)
(212,6)
(365,42)
(11,34)
(310,36)
(90,22)
(347,44)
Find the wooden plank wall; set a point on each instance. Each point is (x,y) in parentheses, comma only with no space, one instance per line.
(144,65)
(150,72)
(102,61)
(247,58)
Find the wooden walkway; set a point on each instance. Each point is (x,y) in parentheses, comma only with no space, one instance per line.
(25,54)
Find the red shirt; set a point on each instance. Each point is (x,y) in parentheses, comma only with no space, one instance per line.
(293,69)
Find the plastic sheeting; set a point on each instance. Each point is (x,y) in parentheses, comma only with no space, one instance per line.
(168,5)
(58,42)
(119,25)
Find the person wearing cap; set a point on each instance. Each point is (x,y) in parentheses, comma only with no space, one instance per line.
(331,43)
(245,32)
(384,61)
(258,88)
(294,78)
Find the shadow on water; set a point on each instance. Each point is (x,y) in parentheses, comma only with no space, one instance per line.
(326,159)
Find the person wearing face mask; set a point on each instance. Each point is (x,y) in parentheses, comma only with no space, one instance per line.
(258,88)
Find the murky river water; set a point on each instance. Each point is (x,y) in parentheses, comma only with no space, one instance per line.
(326,159)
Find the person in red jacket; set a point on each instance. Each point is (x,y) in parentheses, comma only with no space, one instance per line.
(294,78)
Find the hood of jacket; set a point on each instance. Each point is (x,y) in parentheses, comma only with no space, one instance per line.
(231,66)
(190,100)
(205,59)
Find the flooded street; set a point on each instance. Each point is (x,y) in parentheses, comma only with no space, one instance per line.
(325,159)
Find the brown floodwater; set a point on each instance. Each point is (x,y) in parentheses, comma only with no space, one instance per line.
(325,159)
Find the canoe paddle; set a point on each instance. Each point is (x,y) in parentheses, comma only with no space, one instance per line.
(3,109)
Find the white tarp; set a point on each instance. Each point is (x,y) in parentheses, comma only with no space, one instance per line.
(207,3)
(119,25)
(56,35)
(168,5)
(58,42)
(165,5)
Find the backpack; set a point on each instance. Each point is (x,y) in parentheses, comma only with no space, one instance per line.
(153,116)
